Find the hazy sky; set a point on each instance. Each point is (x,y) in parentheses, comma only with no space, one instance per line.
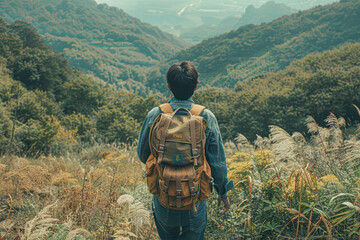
(173,16)
(132,4)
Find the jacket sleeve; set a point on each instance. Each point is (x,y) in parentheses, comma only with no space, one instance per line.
(215,155)
(143,149)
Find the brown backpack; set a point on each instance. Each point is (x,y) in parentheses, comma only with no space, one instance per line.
(177,169)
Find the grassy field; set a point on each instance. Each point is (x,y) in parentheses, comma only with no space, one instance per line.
(286,187)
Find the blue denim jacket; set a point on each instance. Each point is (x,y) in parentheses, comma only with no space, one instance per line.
(214,149)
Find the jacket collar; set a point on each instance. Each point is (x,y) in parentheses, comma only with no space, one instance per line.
(173,100)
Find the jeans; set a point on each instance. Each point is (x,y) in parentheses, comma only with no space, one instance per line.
(180,225)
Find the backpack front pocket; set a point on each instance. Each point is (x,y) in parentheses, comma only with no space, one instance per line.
(179,188)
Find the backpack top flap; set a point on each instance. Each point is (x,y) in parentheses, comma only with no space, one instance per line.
(178,139)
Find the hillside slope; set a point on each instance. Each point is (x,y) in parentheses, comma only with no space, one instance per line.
(46,106)
(97,39)
(316,85)
(257,49)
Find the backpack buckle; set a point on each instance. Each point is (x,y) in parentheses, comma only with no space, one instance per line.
(195,193)
(161,148)
(165,190)
(178,193)
(195,153)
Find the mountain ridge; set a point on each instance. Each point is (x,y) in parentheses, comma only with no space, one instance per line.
(257,49)
(98,39)
(265,13)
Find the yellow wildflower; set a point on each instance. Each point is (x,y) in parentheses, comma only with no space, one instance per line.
(263,157)
(323,181)
(240,165)
(240,157)
(64,178)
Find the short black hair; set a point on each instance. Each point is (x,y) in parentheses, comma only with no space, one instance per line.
(182,78)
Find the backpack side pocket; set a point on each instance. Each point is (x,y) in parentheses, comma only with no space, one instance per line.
(205,180)
(152,174)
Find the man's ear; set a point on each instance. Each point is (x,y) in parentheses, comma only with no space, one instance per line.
(196,87)
(169,87)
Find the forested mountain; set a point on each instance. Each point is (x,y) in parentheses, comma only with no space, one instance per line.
(44,101)
(316,86)
(97,39)
(257,49)
(46,106)
(265,13)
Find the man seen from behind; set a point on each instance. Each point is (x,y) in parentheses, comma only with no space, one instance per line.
(189,224)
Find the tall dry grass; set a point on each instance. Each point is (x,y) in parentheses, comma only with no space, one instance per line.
(74,196)
(294,186)
(287,186)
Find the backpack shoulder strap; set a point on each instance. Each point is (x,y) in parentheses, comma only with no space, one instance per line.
(166,108)
(197,110)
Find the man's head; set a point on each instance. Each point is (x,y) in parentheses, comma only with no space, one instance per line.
(182,79)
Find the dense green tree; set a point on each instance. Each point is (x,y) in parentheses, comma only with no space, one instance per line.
(115,125)
(5,128)
(27,107)
(81,95)
(40,69)
(29,36)
(9,89)
(84,127)
(36,137)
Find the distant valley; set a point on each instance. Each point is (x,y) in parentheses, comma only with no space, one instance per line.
(181,17)
(265,13)
(255,50)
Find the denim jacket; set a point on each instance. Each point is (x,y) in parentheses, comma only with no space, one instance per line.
(214,149)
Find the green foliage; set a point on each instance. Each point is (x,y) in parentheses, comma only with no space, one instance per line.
(81,124)
(316,85)
(39,69)
(5,128)
(29,36)
(220,102)
(269,47)
(97,39)
(115,125)
(37,136)
(9,89)
(81,95)
(27,107)
(46,107)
